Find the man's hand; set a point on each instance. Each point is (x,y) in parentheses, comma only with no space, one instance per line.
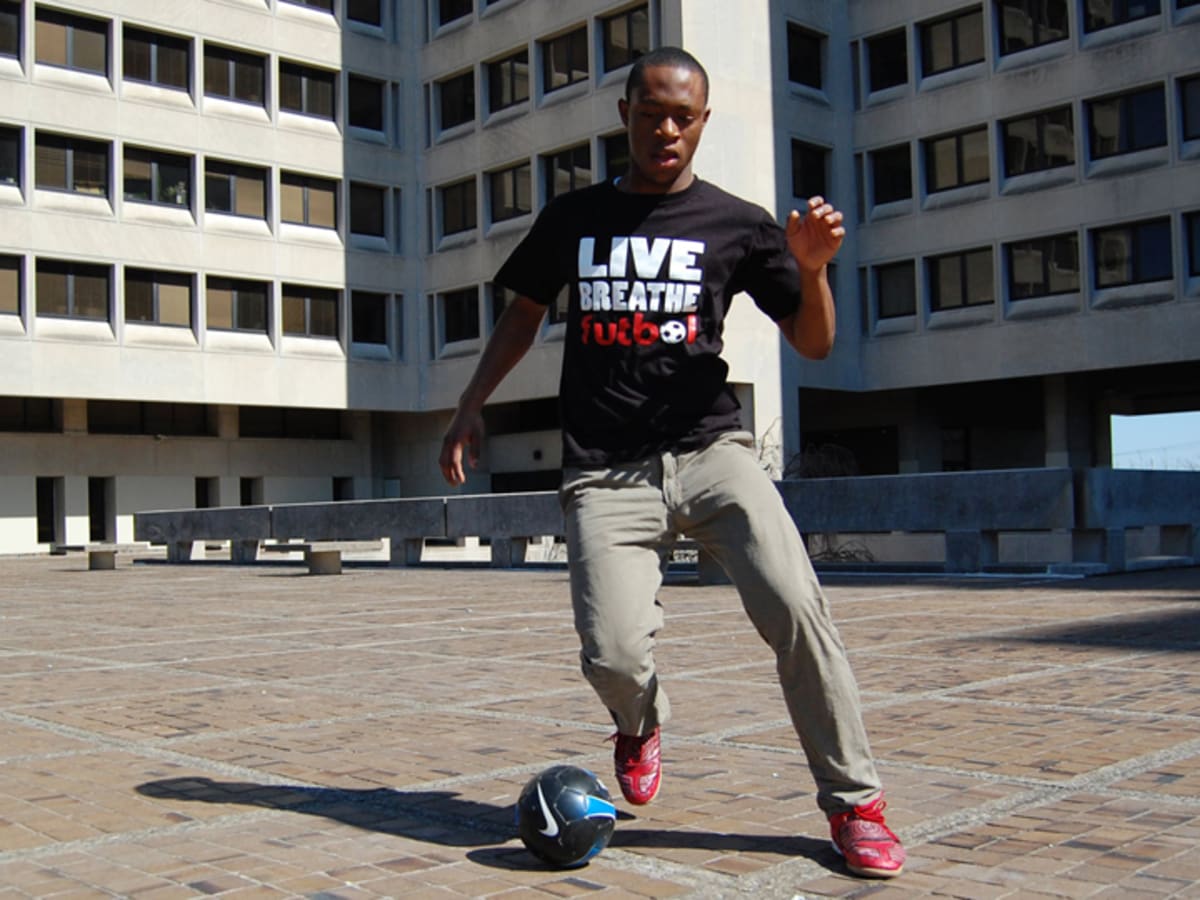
(815,238)
(465,433)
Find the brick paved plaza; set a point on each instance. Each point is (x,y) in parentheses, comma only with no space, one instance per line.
(202,730)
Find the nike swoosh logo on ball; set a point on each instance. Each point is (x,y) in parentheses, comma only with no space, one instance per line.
(551,829)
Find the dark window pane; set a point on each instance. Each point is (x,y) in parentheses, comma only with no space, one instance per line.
(961,279)
(1041,141)
(1030,23)
(366,102)
(626,37)
(10,156)
(892,174)
(1043,266)
(565,60)
(10,29)
(457,100)
(368,317)
(458,207)
(808,170)
(511,192)
(10,284)
(449,10)
(804,56)
(568,170)
(368,11)
(367,205)
(1127,122)
(1193,239)
(508,81)
(1100,14)
(460,315)
(896,289)
(887,60)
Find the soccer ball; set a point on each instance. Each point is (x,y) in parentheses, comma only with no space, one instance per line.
(673,332)
(565,816)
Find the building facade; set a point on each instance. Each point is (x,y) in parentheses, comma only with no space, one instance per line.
(246,245)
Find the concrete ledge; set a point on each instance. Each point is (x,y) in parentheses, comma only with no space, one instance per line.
(323,557)
(509,520)
(102,556)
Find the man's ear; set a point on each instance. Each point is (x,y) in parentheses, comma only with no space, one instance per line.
(623,109)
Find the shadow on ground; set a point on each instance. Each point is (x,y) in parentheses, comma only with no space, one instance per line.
(442,817)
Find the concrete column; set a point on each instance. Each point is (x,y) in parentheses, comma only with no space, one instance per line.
(75,509)
(74,416)
(1068,423)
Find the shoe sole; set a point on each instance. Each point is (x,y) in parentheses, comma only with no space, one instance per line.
(866,871)
(634,802)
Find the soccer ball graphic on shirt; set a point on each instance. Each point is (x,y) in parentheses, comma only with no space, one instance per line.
(673,332)
(565,816)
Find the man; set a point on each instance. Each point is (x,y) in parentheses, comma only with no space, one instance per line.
(652,443)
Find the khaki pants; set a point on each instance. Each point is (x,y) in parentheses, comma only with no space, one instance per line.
(621,525)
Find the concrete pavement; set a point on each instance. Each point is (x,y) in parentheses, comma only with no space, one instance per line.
(212,730)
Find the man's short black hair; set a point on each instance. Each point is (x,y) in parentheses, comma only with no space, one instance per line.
(663,56)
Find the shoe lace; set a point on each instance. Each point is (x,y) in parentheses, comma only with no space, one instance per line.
(871,813)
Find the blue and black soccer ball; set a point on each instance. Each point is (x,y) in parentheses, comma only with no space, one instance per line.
(565,816)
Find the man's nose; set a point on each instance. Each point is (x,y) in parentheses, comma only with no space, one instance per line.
(668,127)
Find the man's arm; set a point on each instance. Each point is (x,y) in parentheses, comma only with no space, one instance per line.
(510,341)
(814,240)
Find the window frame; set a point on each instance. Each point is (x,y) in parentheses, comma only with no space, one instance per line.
(800,69)
(955,20)
(72,23)
(445,11)
(443,298)
(1137,234)
(156,159)
(798,168)
(309,80)
(1131,133)
(234,172)
(1189,106)
(368,298)
(962,258)
(310,297)
(307,184)
(242,292)
(1191,225)
(504,77)
(353,110)
(875,44)
(1041,119)
(1037,25)
(929,152)
(12,152)
(881,154)
(376,20)
(626,55)
(572,42)
(509,178)
(357,190)
(465,204)
(156,42)
(14,263)
(72,147)
(445,90)
(157,278)
(72,270)
(879,272)
(12,12)
(1053,243)
(1120,15)
(550,168)
(235,61)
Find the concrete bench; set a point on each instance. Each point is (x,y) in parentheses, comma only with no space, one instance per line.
(102,556)
(405,522)
(242,526)
(323,557)
(508,520)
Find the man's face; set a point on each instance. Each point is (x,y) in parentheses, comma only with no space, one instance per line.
(664,119)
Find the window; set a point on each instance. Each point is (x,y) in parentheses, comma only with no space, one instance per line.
(1193,238)
(283,422)
(456,100)
(1133,253)
(235,189)
(1189,102)
(156,58)
(1044,266)
(161,298)
(956,160)
(10,29)
(616,155)
(458,207)
(307,91)
(310,311)
(1031,23)
(233,75)
(961,279)
(805,50)
(511,192)
(10,155)
(1044,140)
(1098,14)
(369,12)
(568,170)
(501,298)
(887,60)
(368,205)
(30,414)
(71,164)
(307,200)
(565,60)
(449,10)
(891,170)
(326,5)
(236,305)
(368,317)
(809,173)
(124,417)
(71,41)
(1125,123)
(508,81)
(366,102)
(896,289)
(155,177)
(72,290)
(626,37)
(10,285)
(458,312)
(951,42)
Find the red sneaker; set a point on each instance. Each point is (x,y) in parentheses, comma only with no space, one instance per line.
(639,766)
(869,846)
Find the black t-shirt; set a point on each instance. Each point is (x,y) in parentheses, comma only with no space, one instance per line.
(651,279)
